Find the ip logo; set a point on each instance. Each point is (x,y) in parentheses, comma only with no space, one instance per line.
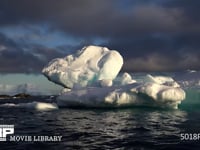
(5,130)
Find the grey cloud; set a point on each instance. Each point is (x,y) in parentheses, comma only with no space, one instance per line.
(16,59)
(150,34)
(160,62)
(93,17)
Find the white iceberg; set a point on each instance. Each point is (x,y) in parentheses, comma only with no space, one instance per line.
(91,76)
(86,67)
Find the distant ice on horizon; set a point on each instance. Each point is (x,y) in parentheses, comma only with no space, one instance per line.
(9,89)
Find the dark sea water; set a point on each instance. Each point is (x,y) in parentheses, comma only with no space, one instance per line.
(137,128)
(128,128)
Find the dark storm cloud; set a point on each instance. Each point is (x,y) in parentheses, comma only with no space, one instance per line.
(92,17)
(163,62)
(6,41)
(150,34)
(15,59)
(191,8)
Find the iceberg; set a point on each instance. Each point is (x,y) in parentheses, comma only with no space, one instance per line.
(86,67)
(89,78)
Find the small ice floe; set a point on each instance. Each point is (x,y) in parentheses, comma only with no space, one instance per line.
(40,106)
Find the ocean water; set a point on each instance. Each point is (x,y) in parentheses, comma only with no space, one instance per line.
(137,128)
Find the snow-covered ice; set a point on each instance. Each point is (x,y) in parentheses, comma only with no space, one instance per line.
(126,79)
(84,68)
(91,76)
(148,94)
(162,80)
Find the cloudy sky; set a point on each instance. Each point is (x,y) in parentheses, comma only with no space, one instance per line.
(151,35)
